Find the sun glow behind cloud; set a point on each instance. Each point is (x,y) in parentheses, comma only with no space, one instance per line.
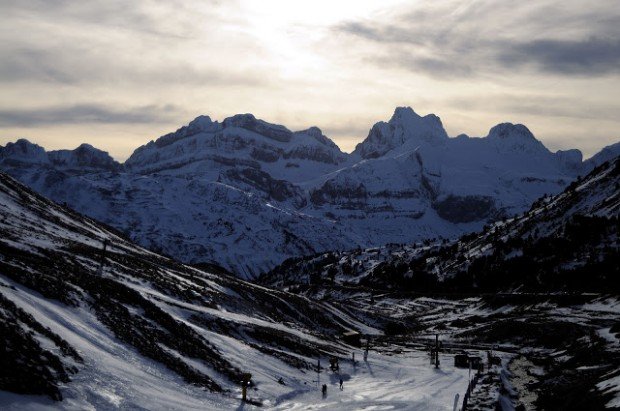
(289,30)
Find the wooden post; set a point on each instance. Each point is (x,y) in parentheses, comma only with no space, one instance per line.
(436,350)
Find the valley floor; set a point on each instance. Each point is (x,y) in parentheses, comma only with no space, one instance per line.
(114,376)
(401,382)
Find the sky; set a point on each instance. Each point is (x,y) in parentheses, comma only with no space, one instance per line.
(117,74)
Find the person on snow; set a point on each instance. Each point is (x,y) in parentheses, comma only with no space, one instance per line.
(341,384)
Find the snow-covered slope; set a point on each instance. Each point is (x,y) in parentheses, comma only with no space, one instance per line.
(131,329)
(565,242)
(248,194)
(81,328)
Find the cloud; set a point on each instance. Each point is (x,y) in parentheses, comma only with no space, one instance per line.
(88,114)
(118,43)
(77,65)
(484,38)
(591,56)
(533,104)
(30,64)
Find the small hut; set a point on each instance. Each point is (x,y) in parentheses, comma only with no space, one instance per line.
(461,360)
(352,338)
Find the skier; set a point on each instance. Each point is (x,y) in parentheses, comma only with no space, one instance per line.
(341,384)
(324,390)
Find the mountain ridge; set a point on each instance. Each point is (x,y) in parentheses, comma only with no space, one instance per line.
(248,194)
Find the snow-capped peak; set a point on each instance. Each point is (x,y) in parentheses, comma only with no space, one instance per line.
(414,126)
(515,137)
(405,127)
(251,123)
(202,124)
(316,134)
(23,151)
(83,157)
(510,131)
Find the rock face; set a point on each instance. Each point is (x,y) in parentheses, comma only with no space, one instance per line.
(248,194)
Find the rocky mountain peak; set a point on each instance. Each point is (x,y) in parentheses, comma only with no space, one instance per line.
(509,130)
(405,127)
(84,156)
(515,137)
(23,151)
(570,160)
(316,134)
(202,124)
(404,112)
(249,122)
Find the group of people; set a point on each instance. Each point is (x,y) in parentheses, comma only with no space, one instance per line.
(336,368)
(324,388)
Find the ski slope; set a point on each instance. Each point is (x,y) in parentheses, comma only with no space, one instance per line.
(401,382)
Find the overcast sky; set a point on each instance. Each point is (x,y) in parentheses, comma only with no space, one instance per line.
(117,74)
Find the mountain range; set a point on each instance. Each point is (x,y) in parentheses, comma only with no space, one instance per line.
(247,194)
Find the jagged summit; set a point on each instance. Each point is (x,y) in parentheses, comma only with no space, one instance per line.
(251,123)
(515,137)
(23,152)
(509,130)
(405,127)
(317,135)
(408,115)
(84,156)
(239,140)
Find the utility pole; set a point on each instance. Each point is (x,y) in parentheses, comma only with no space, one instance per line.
(318,374)
(102,259)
